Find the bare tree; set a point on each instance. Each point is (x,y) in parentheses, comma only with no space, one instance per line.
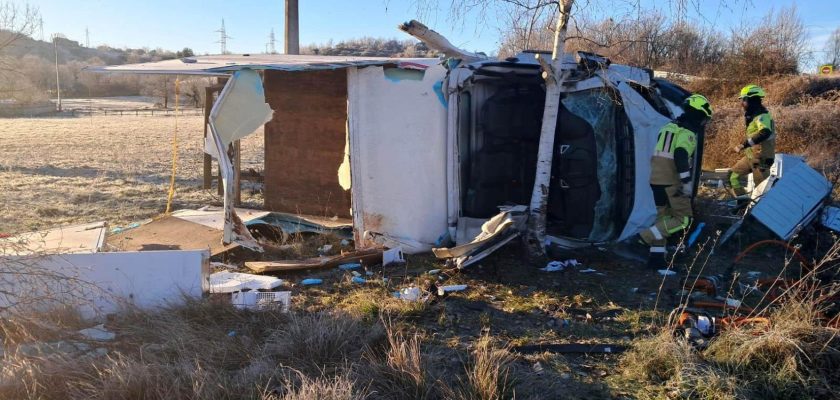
(832,47)
(16,22)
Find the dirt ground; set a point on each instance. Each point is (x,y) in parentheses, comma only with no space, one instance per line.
(68,170)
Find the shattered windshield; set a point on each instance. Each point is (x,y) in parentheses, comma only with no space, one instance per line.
(598,109)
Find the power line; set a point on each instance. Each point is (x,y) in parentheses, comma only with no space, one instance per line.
(223,37)
(271,42)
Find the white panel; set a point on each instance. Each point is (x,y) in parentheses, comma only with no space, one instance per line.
(103,282)
(82,238)
(398,156)
(646,122)
(793,200)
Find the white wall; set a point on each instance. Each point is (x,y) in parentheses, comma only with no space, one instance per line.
(398,156)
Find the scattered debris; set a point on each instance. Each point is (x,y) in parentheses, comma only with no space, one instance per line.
(98,333)
(587,271)
(495,233)
(538,368)
(450,288)
(555,266)
(831,218)
(119,229)
(262,300)
(666,272)
(392,256)
(311,281)
(570,348)
(411,294)
(229,282)
(324,249)
(349,266)
(358,279)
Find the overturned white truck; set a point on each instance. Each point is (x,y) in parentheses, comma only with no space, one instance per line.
(435,146)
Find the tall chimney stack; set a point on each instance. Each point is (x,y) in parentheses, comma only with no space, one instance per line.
(291,42)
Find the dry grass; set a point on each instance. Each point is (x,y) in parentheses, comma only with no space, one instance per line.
(807,114)
(69,170)
(796,356)
(488,374)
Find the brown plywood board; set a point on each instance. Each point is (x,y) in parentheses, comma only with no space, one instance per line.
(305,143)
(367,256)
(171,233)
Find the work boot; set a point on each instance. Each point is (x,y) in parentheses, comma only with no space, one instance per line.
(656,258)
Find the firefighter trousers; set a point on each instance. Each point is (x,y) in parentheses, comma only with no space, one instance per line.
(743,167)
(673,215)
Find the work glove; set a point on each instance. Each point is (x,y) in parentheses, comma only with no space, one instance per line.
(738,148)
(687,189)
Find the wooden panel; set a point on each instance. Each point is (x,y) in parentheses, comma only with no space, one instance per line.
(171,233)
(304,142)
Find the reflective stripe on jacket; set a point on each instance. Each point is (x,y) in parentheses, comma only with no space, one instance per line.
(663,169)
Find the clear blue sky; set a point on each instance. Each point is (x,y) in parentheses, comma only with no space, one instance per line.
(174,24)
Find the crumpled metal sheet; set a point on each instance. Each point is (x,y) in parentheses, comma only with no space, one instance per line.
(495,233)
(238,112)
(291,224)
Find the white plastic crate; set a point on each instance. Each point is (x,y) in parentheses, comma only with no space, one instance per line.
(254,300)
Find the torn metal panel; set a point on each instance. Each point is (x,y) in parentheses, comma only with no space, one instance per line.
(238,112)
(495,233)
(293,224)
(240,109)
(101,283)
(794,199)
(222,65)
(72,239)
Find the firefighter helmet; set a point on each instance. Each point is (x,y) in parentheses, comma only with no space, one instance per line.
(751,91)
(699,103)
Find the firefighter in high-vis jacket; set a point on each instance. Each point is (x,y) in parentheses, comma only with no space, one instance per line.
(760,145)
(670,176)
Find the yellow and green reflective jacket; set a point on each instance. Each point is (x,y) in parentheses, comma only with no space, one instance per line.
(663,166)
(767,145)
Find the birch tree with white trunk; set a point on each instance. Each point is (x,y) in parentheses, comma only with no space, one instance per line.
(554,76)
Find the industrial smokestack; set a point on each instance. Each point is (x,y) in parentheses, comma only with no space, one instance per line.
(291,39)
